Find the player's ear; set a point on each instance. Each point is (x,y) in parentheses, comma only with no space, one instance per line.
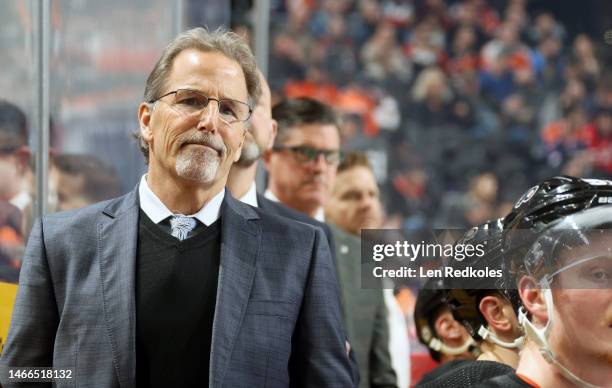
(533,299)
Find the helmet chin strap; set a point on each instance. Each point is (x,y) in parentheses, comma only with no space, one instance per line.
(439,346)
(540,337)
(487,335)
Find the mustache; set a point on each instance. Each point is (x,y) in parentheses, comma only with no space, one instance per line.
(204,139)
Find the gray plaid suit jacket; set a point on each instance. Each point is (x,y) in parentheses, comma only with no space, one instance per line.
(277,321)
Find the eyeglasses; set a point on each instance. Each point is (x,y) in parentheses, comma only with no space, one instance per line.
(189,102)
(305,154)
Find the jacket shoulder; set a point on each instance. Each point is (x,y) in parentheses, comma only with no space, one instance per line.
(88,215)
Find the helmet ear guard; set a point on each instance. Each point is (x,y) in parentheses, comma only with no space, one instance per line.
(439,346)
(487,335)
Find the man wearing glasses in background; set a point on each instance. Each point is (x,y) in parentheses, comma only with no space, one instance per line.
(303,161)
(177,283)
(302,168)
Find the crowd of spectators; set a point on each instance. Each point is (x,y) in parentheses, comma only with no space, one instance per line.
(460,105)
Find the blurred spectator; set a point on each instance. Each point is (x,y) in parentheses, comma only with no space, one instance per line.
(518,122)
(335,51)
(400,13)
(599,142)
(425,45)
(292,44)
(547,62)
(362,24)
(563,138)
(603,92)
(505,43)
(464,51)
(474,207)
(544,26)
(321,24)
(15,170)
(287,58)
(516,15)
(435,11)
(80,180)
(432,96)
(583,57)
(382,56)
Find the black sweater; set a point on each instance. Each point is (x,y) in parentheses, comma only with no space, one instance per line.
(176,289)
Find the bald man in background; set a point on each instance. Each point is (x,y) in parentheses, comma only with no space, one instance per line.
(259,138)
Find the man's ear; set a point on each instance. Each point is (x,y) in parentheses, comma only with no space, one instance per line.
(273,132)
(239,149)
(144,118)
(533,299)
(492,308)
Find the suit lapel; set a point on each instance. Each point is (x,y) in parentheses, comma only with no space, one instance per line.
(117,240)
(240,245)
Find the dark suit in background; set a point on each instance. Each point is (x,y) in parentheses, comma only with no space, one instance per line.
(284,211)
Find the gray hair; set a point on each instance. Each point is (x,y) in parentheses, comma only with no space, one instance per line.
(225,42)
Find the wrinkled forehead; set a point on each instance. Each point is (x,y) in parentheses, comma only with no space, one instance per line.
(322,136)
(210,72)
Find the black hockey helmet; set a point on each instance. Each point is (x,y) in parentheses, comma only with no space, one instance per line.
(430,303)
(545,203)
(464,296)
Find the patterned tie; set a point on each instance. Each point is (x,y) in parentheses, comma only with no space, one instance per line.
(181,226)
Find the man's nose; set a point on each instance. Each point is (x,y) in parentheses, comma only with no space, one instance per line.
(319,164)
(209,117)
(366,202)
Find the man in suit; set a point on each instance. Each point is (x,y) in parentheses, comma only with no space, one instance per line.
(259,140)
(302,163)
(302,167)
(353,205)
(132,292)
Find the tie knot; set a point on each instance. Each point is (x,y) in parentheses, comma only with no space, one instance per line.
(181,226)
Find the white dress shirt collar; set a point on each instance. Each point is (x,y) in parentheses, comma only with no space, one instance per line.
(270,195)
(155,209)
(319,215)
(250,198)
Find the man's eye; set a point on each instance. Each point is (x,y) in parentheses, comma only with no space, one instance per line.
(304,152)
(191,101)
(227,110)
(600,275)
(352,196)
